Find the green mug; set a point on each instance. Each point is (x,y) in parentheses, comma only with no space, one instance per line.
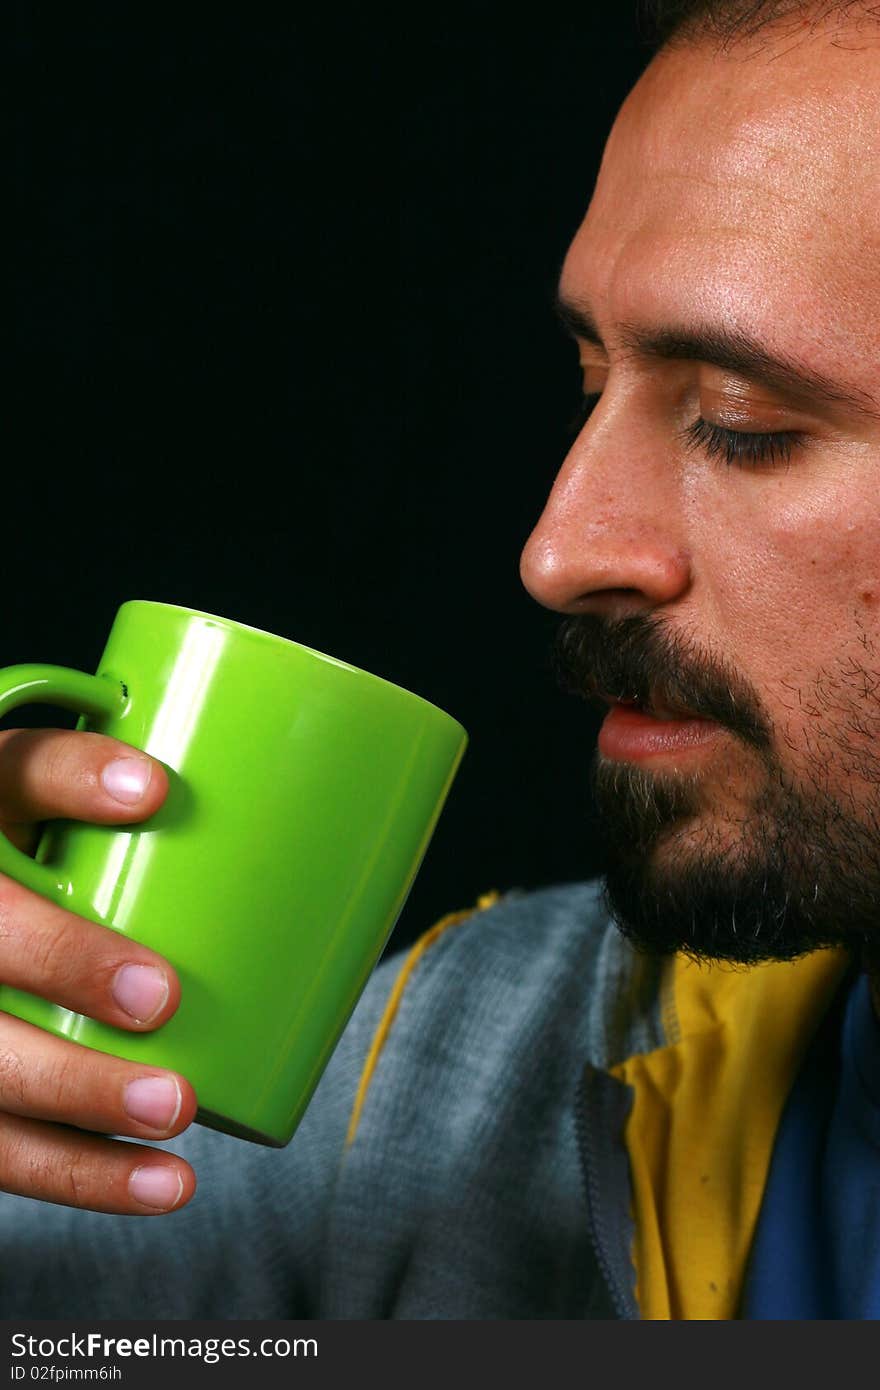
(303,794)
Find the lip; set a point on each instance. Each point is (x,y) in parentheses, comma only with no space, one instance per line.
(628,734)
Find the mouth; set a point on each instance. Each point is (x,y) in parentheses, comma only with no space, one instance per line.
(654,707)
(637,730)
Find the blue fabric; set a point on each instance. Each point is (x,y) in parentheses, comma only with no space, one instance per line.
(464,1194)
(816,1253)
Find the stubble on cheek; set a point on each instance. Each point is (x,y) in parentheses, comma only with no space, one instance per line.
(828,726)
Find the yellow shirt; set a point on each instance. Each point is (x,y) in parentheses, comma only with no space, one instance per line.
(704,1118)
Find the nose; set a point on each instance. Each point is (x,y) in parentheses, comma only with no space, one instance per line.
(610,540)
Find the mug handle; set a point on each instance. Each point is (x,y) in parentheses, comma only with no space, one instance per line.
(51,685)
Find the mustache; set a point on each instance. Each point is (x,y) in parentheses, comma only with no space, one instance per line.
(639,658)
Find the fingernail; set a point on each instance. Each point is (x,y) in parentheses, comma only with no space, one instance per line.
(127,779)
(141,990)
(153,1100)
(156,1185)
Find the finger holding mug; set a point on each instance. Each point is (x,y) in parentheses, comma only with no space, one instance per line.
(302,794)
(52,1090)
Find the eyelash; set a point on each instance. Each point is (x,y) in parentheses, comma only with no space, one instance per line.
(741,446)
(733,446)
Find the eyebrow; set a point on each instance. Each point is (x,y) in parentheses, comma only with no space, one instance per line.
(722,347)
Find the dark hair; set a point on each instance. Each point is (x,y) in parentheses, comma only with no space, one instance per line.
(730,20)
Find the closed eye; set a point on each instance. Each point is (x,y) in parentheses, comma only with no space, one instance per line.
(741,446)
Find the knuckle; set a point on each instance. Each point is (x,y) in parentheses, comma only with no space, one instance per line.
(20,911)
(12,741)
(69,1076)
(12,1078)
(23,1165)
(44,943)
(50,1165)
(28,1167)
(9,917)
(11,1156)
(78,1182)
(64,763)
(53,1173)
(40,1169)
(54,956)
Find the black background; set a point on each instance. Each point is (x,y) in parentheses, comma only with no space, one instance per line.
(284,350)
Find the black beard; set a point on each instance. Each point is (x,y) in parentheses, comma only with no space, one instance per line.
(797,871)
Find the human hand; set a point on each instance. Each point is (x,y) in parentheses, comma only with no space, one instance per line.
(58,1099)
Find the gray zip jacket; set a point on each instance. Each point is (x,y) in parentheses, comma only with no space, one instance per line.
(486,1178)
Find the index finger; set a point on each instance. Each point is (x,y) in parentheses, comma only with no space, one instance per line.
(47,774)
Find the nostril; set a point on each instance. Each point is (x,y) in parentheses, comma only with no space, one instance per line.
(572,566)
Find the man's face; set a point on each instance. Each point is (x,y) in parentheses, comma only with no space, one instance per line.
(714,532)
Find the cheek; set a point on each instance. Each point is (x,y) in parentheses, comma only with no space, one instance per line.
(792,583)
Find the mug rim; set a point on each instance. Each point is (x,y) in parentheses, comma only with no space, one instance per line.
(289,642)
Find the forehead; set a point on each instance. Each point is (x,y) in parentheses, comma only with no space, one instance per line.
(745,187)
